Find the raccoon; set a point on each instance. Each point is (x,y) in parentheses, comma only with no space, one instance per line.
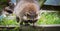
(27,11)
(7,10)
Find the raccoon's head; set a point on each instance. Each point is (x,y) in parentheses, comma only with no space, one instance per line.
(31,13)
(7,11)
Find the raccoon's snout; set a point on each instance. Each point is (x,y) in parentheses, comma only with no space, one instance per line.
(31,16)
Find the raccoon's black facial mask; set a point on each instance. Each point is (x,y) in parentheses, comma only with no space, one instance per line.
(9,11)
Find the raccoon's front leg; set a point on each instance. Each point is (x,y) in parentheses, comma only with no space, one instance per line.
(17,19)
(21,22)
(34,23)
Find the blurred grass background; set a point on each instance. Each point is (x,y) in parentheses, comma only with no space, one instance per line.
(9,20)
(45,18)
(49,18)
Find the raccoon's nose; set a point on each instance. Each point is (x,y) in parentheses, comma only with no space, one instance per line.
(32,15)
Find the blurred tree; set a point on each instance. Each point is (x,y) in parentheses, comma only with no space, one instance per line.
(41,2)
(3,4)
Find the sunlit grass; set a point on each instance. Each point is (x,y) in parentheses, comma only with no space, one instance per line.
(45,18)
(8,20)
(49,18)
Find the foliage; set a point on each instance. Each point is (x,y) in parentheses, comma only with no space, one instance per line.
(8,21)
(49,18)
(3,0)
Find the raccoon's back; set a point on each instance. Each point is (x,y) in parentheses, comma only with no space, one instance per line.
(21,5)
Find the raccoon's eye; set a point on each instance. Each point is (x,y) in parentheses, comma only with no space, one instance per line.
(28,15)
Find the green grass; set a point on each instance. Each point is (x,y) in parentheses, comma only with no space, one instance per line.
(45,18)
(49,18)
(8,21)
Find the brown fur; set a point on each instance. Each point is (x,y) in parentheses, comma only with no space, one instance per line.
(28,8)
